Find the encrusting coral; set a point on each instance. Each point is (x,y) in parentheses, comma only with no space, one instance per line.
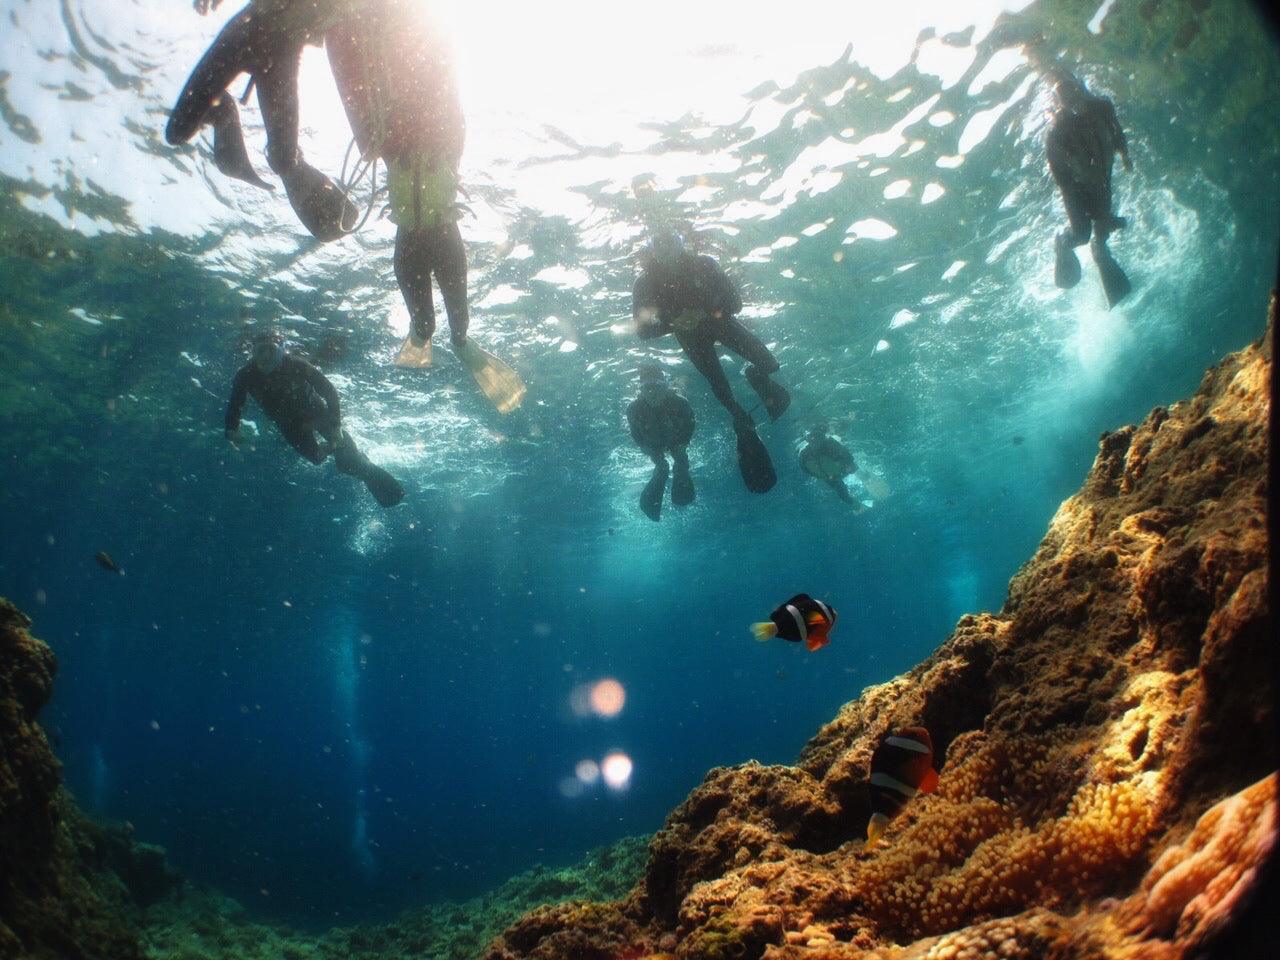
(1123,690)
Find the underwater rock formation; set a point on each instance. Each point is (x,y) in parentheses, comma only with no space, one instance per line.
(1108,783)
(60,898)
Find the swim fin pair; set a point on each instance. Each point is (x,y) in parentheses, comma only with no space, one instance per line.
(682,490)
(385,488)
(1066,269)
(754,462)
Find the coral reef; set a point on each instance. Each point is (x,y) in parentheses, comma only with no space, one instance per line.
(1083,732)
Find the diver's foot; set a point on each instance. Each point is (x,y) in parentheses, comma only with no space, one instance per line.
(320,205)
(385,488)
(229,153)
(682,491)
(1115,283)
(1066,265)
(775,396)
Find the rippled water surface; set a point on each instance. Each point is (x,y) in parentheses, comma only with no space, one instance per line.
(324,707)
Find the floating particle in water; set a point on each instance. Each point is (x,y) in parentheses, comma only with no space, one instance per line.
(365,639)
(327,749)
(571,788)
(155,724)
(587,771)
(41,597)
(287,603)
(607,697)
(616,769)
(542,629)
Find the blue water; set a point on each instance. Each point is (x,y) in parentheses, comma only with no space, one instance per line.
(327,709)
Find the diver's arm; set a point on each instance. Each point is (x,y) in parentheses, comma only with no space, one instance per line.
(725,300)
(644,308)
(320,383)
(239,393)
(1122,145)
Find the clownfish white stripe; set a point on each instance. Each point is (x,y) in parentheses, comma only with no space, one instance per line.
(827,612)
(800,624)
(902,743)
(891,783)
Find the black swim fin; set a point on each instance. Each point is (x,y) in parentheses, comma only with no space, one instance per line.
(229,153)
(320,205)
(1066,265)
(385,488)
(754,462)
(682,492)
(1114,281)
(651,495)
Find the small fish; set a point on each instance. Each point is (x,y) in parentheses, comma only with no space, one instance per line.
(801,618)
(106,563)
(1017,440)
(901,768)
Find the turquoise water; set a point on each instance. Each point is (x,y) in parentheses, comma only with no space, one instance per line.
(326,708)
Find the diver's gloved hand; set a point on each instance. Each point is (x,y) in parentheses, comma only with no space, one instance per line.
(235,437)
(204,6)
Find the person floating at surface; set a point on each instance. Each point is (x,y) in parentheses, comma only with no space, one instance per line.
(265,40)
(689,295)
(1084,137)
(395,73)
(303,403)
(825,458)
(662,422)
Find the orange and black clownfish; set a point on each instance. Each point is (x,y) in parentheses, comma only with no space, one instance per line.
(801,618)
(901,767)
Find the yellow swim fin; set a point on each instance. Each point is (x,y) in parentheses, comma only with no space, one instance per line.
(415,356)
(764,631)
(500,383)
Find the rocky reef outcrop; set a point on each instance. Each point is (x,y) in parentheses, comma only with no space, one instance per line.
(1108,769)
(62,896)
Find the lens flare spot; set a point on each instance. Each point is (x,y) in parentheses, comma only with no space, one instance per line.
(587,771)
(608,697)
(616,770)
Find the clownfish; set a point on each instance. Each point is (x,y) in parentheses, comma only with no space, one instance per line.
(901,767)
(801,618)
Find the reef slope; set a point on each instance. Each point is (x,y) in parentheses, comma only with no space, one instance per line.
(1108,783)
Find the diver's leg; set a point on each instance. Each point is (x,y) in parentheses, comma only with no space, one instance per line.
(1066,265)
(449,264)
(837,484)
(761,363)
(385,488)
(700,348)
(231,54)
(323,209)
(302,437)
(413,272)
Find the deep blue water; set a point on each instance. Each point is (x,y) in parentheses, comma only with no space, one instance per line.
(354,710)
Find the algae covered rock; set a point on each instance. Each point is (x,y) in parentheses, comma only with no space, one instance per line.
(1107,770)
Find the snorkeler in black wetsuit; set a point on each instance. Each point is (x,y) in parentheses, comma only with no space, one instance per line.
(690,296)
(1084,137)
(264,40)
(662,422)
(303,403)
(825,458)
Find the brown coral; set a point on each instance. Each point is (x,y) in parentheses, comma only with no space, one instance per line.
(1110,702)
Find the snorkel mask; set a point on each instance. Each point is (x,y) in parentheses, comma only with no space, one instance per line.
(268,354)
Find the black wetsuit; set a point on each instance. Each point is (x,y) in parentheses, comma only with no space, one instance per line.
(665,424)
(1081,146)
(297,396)
(697,283)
